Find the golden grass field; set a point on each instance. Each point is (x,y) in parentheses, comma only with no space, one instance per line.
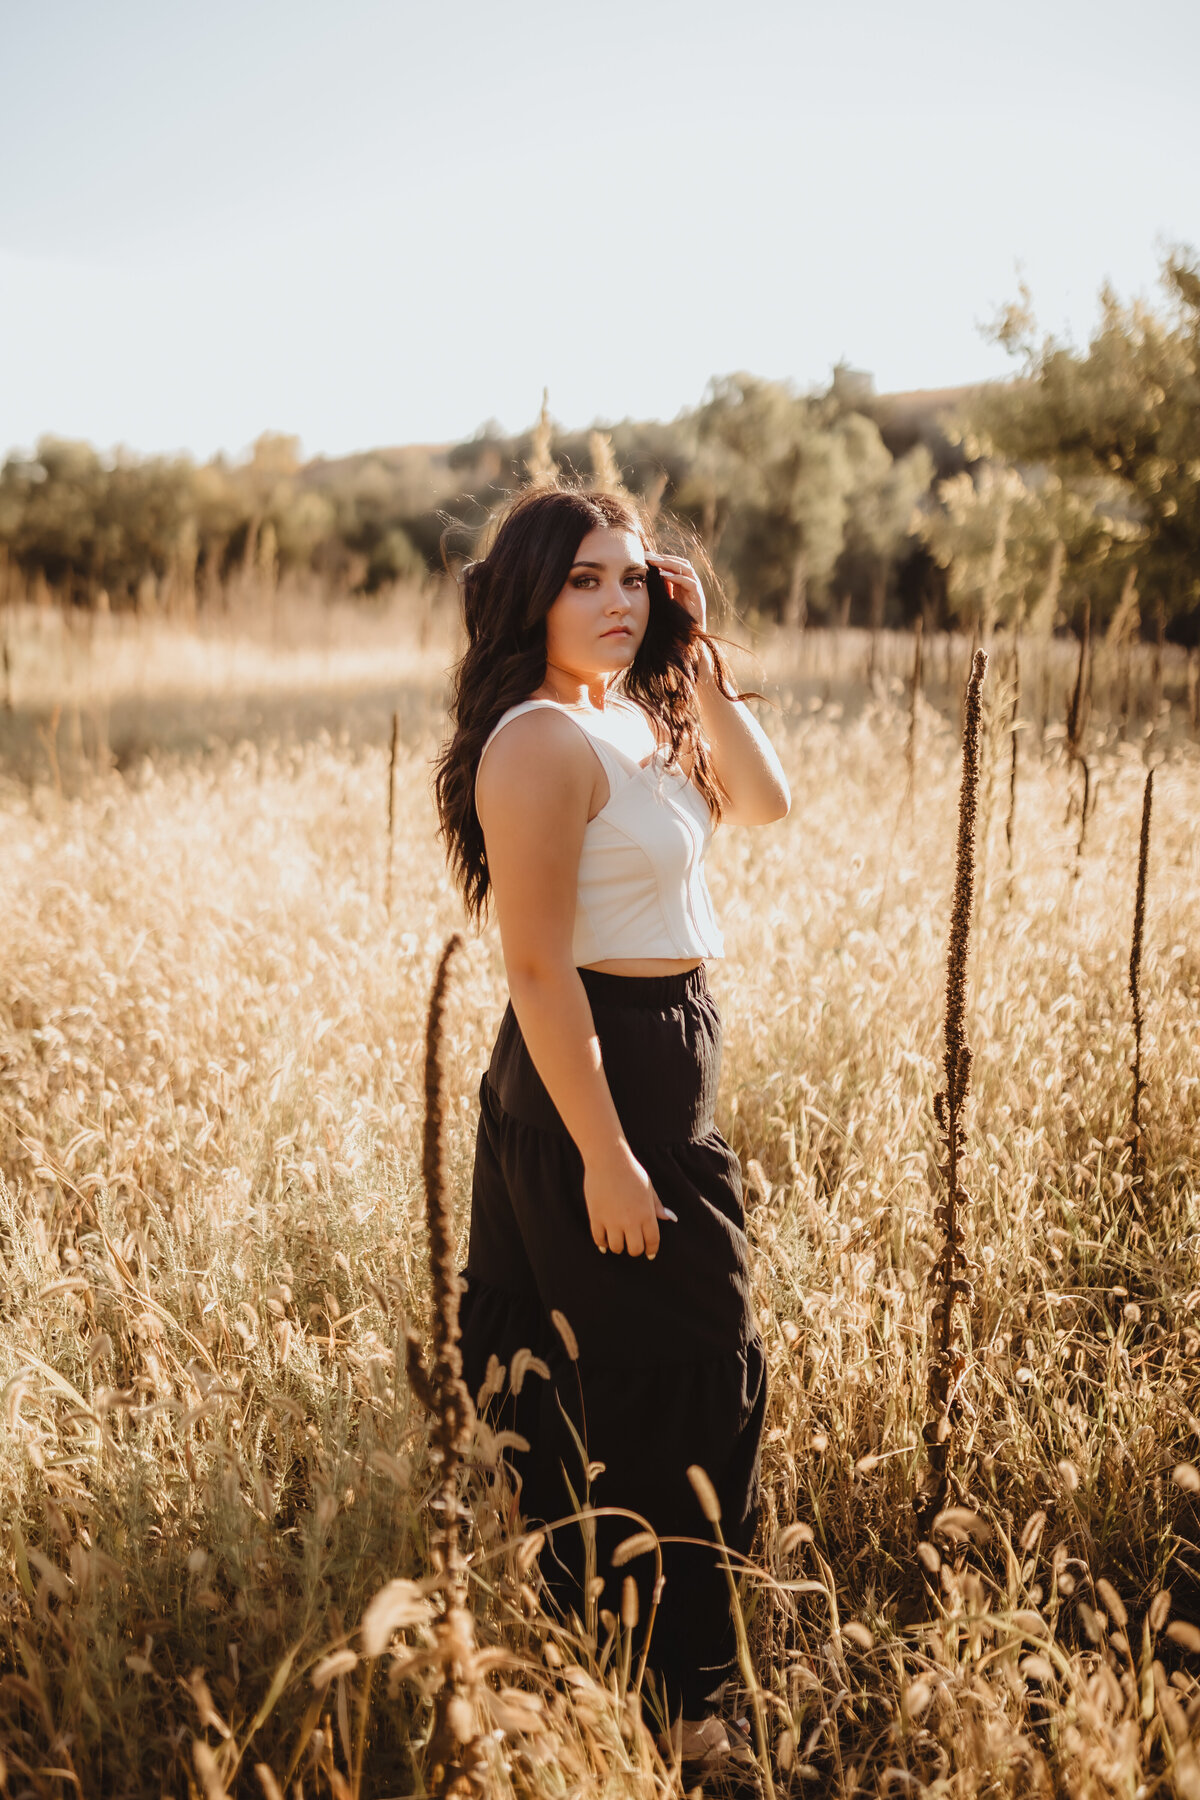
(212,1234)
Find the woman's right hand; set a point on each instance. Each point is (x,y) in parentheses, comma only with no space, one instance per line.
(623,1207)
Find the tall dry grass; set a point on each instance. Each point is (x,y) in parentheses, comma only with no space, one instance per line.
(213,1243)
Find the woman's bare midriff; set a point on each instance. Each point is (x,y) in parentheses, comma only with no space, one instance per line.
(646,965)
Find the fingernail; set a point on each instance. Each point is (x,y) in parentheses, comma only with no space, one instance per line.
(674,1217)
(652,1254)
(603,1249)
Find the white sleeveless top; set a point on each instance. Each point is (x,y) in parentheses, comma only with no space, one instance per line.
(641,889)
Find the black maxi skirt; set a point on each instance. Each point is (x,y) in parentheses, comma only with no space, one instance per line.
(670,1368)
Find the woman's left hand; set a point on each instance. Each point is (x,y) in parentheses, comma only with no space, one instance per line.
(683,584)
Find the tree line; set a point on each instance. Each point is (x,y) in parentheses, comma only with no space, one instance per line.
(1073,487)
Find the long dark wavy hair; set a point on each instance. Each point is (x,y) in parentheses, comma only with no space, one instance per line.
(531,547)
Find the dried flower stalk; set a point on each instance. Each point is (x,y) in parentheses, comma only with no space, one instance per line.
(455,1745)
(1077,719)
(1135,971)
(1014,734)
(391,815)
(947,1361)
(1080,706)
(914,701)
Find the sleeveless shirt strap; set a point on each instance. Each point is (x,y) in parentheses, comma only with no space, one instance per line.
(605,755)
(514,712)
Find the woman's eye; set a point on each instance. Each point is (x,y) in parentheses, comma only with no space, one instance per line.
(591,581)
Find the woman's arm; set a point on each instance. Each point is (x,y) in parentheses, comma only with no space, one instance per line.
(534,793)
(743,755)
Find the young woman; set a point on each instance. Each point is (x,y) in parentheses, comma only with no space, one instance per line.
(597,739)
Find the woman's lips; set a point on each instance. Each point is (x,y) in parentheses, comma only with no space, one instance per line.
(617,631)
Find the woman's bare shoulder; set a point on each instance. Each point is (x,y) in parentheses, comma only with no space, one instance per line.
(535,753)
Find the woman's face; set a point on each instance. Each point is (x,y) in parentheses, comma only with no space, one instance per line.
(597,623)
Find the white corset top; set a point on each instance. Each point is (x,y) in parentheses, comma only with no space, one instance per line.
(641,889)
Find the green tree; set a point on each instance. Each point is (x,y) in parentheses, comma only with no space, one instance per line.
(1125,411)
(882,501)
(1018,546)
(87,524)
(788,476)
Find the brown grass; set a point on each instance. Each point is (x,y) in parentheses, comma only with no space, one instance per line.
(212,1462)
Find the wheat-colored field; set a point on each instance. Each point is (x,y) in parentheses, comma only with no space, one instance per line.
(212,1236)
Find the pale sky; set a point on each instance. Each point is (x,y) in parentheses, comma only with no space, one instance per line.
(387,221)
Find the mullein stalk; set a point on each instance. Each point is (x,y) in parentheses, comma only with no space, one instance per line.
(914,701)
(1077,711)
(947,1360)
(1014,734)
(965,689)
(391,816)
(1077,719)
(455,1745)
(1135,972)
